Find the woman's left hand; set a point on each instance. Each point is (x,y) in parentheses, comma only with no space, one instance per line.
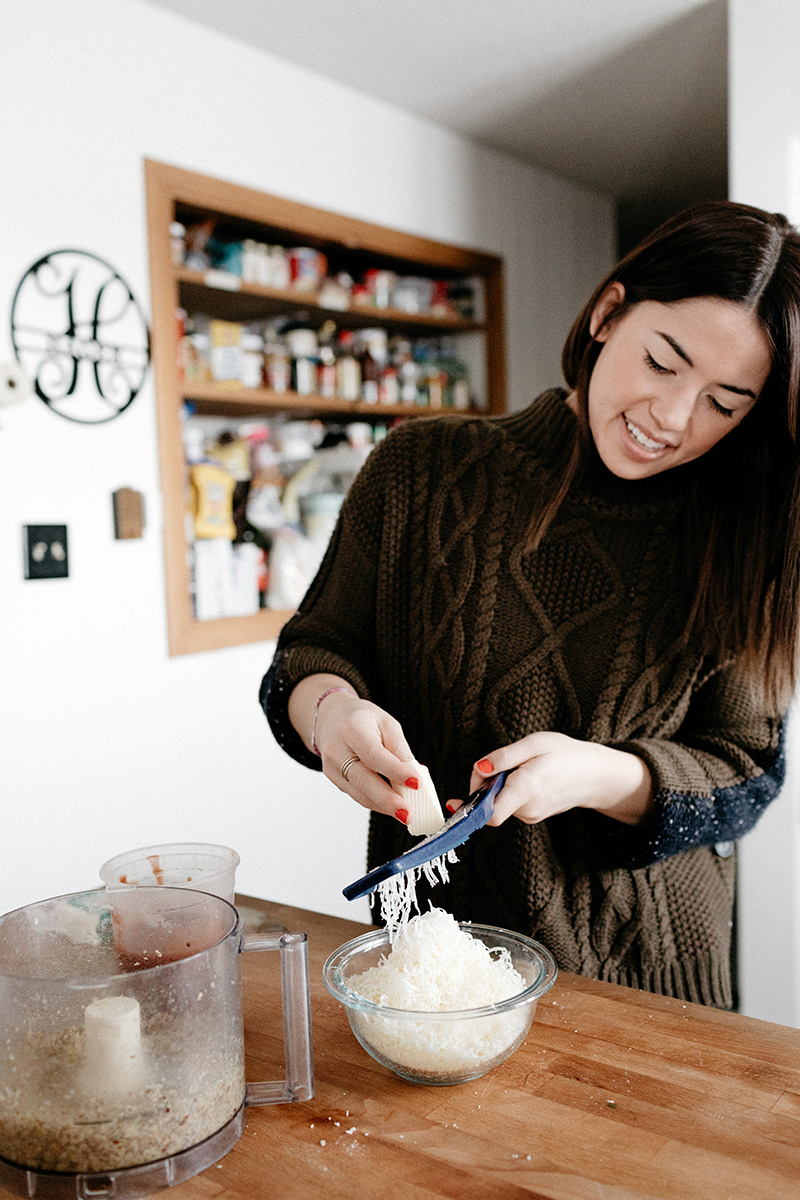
(555,773)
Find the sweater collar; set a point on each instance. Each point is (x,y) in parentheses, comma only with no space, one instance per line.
(597,483)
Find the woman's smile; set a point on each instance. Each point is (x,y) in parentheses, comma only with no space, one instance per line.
(641,438)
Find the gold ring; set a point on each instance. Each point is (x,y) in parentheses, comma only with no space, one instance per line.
(347,764)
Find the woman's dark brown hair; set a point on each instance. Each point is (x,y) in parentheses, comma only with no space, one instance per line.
(741,545)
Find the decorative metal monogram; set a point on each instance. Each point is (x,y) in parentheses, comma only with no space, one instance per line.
(82,336)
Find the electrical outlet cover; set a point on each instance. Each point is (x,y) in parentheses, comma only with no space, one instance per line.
(45,551)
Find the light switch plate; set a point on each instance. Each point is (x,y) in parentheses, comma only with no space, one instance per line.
(128,513)
(45,554)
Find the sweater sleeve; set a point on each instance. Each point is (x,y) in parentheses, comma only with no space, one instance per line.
(333,630)
(712,780)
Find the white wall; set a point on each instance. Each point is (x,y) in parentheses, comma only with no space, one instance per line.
(764,128)
(106,742)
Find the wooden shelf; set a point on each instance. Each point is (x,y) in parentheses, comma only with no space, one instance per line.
(211,399)
(176,194)
(241,301)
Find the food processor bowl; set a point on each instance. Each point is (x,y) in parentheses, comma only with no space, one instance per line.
(121,1039)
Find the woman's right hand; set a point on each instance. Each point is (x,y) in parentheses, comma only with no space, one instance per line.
(361,737)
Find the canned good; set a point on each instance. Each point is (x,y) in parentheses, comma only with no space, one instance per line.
(307,268)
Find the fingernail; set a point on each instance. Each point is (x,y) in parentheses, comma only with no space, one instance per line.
(451,806)
(412,782)
(402,815)
(484,766)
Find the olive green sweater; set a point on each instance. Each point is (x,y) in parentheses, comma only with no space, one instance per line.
(430,603)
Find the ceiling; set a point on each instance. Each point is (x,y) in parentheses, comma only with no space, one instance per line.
(628,96)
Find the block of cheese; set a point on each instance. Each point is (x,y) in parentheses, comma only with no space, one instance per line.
(424,810)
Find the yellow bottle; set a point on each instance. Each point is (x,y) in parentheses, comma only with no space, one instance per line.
(212,501)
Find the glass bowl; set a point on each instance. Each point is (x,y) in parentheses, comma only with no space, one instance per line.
(441,1048)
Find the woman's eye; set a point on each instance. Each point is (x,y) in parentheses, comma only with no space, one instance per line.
(655,366)
(720,408)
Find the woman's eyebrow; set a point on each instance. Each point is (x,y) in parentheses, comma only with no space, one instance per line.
(676,346)
(679,350)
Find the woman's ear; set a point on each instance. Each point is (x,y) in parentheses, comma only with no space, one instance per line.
(611,298)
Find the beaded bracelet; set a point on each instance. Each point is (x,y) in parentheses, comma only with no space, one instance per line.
(316,710)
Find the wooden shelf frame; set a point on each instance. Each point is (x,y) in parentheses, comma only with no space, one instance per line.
(171,191)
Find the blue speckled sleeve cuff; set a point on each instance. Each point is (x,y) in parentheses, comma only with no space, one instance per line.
(290,664)
(273,697)
(685,822)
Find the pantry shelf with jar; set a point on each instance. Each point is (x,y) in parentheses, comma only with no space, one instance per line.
(286,341)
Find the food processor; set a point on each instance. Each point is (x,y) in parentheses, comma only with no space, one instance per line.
(121,1040)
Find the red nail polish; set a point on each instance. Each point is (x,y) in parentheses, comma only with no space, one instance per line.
(485,767)
(402,815)
(450,806)
(412,782)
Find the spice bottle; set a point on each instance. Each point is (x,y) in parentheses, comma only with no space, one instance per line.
(435,381)
(348,369)
(196,350)
(389,386)
(177,243)
(370,374)
(373,355)
(276,362)
(458,385)
(407,371)
(252,359)
(326,373)
(326,362)
(303,349)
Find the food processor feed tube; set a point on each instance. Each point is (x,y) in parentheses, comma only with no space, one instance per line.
(121,1040)
(201,866)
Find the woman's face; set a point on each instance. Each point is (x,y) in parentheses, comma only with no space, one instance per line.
(671,379)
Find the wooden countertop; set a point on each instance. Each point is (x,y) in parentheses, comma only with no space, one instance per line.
(615,1095)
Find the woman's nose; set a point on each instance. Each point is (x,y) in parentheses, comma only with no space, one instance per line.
(673,412)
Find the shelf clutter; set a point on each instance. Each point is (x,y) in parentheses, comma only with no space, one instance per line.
(286,342)
(288,357)
(228,263)
(264,498)
(265,494)
(305,351)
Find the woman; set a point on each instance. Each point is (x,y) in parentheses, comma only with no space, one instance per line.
(600,591)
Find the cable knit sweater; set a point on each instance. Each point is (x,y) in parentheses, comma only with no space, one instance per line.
(430,603)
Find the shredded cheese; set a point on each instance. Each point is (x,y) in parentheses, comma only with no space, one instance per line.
(434,966)
(398,893)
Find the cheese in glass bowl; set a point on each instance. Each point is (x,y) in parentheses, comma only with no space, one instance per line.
(443,1002)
